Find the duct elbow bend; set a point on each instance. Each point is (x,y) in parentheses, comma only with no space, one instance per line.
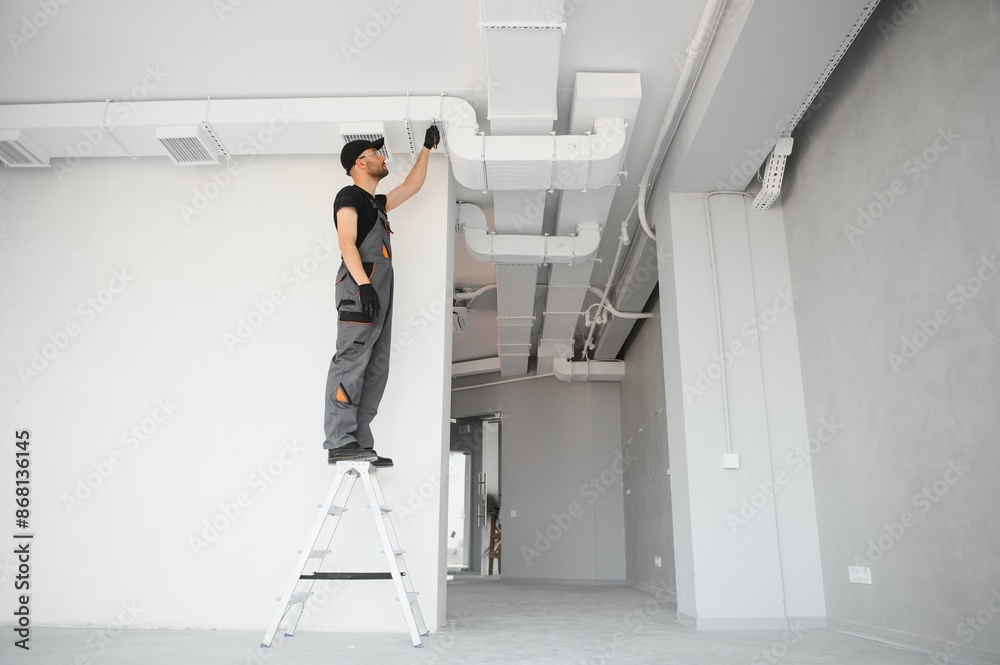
(588,370)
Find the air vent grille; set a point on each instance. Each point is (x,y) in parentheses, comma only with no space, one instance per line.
(188,145)
(18,151)
(368,137)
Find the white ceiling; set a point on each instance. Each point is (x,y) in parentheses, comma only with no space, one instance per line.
(99,49)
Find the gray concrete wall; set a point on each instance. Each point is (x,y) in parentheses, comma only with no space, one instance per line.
(649,529)
(561,471)
(892,210)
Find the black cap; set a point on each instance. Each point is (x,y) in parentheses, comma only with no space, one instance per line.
(353,150)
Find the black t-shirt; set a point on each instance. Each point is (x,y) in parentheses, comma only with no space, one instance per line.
(353,196)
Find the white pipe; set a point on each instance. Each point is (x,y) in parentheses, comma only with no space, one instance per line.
(614,312)
(472,295)
(696,54)
(502,381)
(718,312)
(622,240)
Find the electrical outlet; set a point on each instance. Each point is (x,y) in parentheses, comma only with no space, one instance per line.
(657,562)
(513,513)
(859,574)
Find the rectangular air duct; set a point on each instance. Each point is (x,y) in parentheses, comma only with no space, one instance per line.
(188,145)
(19,151)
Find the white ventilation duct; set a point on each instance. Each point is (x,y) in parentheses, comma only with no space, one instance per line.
(538,162)
(289,126)
(595,95)
(525,249)
(19,151)
(473,367)
(588,370)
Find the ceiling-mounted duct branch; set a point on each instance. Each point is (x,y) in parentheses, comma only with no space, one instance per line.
(588,370)
(195,132)
(537,162)
(520,249)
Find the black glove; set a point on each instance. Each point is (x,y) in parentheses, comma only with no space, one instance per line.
(369,301)
(432,137)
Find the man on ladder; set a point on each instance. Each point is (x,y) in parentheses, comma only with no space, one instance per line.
(360,367)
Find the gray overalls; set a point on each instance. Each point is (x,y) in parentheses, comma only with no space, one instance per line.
(360,367)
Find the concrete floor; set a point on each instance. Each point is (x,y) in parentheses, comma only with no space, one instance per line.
(488,622)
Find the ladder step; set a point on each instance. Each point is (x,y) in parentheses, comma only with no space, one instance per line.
(396,552)
(337,510)
(348,576)
(315,554)
(382,508)
(299,597)
(411,596)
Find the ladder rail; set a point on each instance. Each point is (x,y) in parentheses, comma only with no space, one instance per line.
(305,556)
(407,597)
(296,596)
(329,513)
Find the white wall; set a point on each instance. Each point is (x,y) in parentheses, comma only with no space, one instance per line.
(892,224)
(245,424)
(560,457)
(746,548)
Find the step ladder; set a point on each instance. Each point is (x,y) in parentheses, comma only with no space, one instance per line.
(307,572)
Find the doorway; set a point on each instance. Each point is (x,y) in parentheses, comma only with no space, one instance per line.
(474,491)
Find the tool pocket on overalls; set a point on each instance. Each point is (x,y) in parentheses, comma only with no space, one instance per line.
(349,297)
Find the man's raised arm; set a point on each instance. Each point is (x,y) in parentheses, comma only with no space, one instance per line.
(415,178)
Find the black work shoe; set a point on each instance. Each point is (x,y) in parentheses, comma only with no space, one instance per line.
(351,452)
(381,462)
